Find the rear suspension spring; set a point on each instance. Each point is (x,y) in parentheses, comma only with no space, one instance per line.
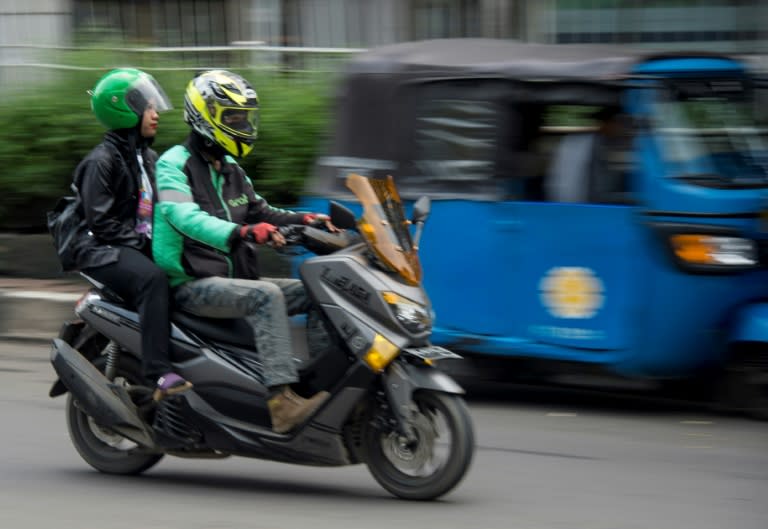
(113,358)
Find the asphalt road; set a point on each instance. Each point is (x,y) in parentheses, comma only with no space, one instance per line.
(544,461)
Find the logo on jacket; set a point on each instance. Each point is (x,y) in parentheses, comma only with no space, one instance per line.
(242,200)
(572,292)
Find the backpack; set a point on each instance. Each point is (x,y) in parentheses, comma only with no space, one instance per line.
(65,218)
(63,222)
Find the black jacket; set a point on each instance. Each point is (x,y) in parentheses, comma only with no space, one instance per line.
(107,184)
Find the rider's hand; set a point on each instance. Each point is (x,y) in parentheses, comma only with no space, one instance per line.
(318,220)
(260,233)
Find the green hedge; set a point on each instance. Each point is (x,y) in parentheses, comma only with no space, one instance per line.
(47,129)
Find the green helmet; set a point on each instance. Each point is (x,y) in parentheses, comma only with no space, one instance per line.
(120,98)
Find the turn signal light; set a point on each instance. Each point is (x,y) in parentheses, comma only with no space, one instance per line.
(381,354)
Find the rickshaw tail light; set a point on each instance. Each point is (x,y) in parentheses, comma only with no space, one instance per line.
(714,250)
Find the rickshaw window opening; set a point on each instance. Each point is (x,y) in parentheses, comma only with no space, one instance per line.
(453,122)
(456,140)
(709,134)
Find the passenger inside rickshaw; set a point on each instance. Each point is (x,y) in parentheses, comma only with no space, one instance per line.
(586,166)
(575,154)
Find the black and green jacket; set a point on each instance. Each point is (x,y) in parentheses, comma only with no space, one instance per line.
(198,211)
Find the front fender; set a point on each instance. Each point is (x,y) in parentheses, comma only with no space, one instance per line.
(401,380)
(751,324)
(407,378)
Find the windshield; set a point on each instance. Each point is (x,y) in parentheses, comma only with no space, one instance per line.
(147,92)
(384,226)
(709,135)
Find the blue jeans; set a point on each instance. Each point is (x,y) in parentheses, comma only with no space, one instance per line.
(265,304)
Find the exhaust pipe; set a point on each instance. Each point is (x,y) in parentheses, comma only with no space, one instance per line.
(108,404)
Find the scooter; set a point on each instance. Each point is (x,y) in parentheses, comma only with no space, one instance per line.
(368,345)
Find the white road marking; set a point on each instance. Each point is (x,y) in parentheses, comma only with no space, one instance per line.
(37,294)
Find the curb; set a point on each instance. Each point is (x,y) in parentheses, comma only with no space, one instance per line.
(36,297)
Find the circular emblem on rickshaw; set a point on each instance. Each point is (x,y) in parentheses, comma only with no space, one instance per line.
(571,292)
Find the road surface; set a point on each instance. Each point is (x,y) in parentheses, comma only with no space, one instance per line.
(556,461)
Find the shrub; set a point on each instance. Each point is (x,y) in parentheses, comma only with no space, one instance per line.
(45,131)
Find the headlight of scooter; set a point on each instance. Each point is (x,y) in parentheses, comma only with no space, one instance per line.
(715,251)
(411,315)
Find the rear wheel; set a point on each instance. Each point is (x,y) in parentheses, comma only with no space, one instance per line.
(103,449)
(745,390)
(435,461)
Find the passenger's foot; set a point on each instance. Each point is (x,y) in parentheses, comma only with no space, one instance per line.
(287,409)
(170,384)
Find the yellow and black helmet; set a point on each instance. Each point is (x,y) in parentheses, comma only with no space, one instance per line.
(223,107)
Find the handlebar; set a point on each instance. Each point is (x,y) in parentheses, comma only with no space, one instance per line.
(315,240)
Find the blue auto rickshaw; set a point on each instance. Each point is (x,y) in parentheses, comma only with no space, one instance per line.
(654,267)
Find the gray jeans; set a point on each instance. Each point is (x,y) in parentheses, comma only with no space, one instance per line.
(265,304)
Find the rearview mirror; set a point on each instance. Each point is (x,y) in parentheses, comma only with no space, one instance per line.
(421,210)
(342,217)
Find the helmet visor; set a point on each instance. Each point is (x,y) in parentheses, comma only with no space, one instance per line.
(147,93)
(241,122)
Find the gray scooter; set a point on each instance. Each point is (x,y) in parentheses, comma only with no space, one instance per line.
(368,341)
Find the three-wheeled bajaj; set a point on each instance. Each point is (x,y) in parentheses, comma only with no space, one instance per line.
(645,259)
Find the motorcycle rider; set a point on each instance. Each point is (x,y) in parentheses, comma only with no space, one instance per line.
(114,184)
(208,218)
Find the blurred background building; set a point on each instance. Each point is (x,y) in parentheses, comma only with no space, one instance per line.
(68,42)
(29,26)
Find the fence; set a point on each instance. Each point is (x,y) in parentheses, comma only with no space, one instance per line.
(40,63)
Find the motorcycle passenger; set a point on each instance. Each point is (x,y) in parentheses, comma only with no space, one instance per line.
(114,183)
(208,222)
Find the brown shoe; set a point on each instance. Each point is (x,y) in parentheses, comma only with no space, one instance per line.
(287,409)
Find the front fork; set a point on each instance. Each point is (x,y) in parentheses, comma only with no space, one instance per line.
(401,380)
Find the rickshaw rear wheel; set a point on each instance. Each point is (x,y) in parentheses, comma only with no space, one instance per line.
(743,386)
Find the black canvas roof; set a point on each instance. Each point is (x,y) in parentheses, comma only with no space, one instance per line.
(507,58)
(383,90)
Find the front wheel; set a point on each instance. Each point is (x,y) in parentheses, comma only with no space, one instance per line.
(103,449)
(438,458)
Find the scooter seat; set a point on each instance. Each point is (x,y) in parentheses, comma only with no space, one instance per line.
(232,331)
